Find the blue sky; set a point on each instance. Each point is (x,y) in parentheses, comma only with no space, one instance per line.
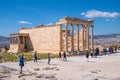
(15,14)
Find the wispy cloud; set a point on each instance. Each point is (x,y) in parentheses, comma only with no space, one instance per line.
(50,24)
(107,20)
(110,20)
(24,22)
(96,13)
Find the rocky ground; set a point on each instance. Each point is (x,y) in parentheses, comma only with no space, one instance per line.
(105,67)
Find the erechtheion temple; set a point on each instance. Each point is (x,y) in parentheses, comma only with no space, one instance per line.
(68,34)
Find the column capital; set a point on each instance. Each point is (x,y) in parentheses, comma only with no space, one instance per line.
(84,25)
(92,26)
(72,25)
(78,25)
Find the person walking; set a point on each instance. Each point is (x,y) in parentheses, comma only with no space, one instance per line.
(64,56)
(60,56)
(97,52)
(91,52)
(35,56)
(49,58)
(105,51)
(87,55)
(21,62)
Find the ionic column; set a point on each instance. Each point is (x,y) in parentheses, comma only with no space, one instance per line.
(78,37)
(92,40)
(66,37)
(72,38)
(88,37)
(83,36)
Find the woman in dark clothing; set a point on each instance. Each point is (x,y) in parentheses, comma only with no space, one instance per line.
(64,56)
(60,57)
(87,55)
(48,58)
(97,52)
(21,62)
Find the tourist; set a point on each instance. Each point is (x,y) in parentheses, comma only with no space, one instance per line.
(64,56)
(21,62)
(104,51)
(111,50)
(87,55)
(49,58)
(116,49)
(35,56)
(97,52)
(92,52)
(60,57)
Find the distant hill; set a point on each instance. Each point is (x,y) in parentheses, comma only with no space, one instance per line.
(107,35)
(4,41)
(107,39)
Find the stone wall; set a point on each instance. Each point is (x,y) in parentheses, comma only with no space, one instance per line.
(44,39)
(13,48)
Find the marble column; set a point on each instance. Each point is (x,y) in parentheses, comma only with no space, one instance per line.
(72,38)
(83,37)
(66,37)
(77,37)
(87,37)
(92,40)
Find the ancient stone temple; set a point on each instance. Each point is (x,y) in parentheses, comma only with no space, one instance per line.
(68,34)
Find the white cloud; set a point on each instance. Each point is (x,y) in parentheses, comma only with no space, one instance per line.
(107,20)
(83,13)
(96,13)
(24,22)
(50,24)
(110,20)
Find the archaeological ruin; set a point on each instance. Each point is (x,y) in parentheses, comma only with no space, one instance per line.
(68,34)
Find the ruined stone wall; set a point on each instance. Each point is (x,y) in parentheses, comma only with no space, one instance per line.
(44,39)
(13,48)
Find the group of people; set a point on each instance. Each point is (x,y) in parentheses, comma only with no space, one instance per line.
(35,58)
(110,50)
(34,53)
(62,56)
(95,52)
(92,53)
